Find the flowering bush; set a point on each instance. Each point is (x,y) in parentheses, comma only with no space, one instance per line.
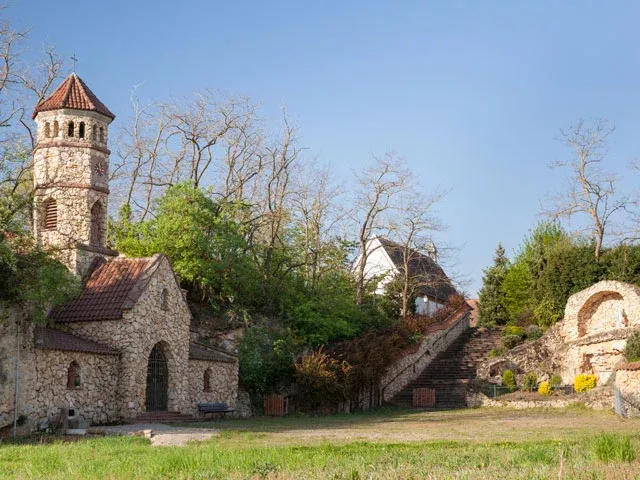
(584,382)
(544,389)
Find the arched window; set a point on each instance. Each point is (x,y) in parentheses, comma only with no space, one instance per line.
(96,224)
(81,130)
(70,129)
(73,375)
(164,299)
(206,381)
(94,133)
(47,130)
(102,134)
(56,128)
(50,213)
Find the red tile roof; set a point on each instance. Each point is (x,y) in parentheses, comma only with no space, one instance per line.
(113,287)
(73,93)
(51,339)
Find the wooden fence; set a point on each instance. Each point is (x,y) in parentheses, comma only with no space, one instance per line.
(424,397)
(275,405)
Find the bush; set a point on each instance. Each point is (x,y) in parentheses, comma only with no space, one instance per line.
(555,381)
(514,330)
(609,447)
(584,382)
(497,352)
(509,380)
(533,332)
(530,382)
(632,350)
(511,341)
(544,389)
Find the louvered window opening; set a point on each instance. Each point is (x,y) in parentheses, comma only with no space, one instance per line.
(50,215)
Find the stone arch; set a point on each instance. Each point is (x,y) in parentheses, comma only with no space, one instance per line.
(71,129)
(94,132)
(164,299)
(74,380)
(47,129)
(96,233)
(591,306)
(81,128)
(158,378)
(56,128)
(101,134)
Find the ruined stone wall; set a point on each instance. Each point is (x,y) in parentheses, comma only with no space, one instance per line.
(223,382)
(141,328)
(627,381)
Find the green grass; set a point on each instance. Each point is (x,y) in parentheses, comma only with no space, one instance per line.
(387,445)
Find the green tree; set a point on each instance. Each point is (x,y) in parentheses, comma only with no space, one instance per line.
(492,298)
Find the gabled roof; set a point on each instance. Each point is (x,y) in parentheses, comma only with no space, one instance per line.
(73,93)
(112,288)
(198,351)
(51,339)
(437,284)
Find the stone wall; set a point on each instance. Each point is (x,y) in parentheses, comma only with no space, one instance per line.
(408,368)
(140,329)
(223,382)
(7,364)
(627,381)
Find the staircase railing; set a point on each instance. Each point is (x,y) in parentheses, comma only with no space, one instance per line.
(450,322)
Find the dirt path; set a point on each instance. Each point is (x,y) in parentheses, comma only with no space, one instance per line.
(164,435)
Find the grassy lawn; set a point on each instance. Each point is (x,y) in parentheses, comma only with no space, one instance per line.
(390,444)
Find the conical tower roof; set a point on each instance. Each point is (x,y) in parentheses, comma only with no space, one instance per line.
(73,93)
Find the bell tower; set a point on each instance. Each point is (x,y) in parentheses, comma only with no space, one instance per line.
(71,175)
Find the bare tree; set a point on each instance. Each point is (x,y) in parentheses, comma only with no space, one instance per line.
(592,190)
(413,226)
(379,186)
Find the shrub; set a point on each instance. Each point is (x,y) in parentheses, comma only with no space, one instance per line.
(610,447)
(513,330)
(497,352)
(632,350)
(511,341)
(530,382)
(533,332)
(584,382)
(544,389)
(509,380)
(555,381)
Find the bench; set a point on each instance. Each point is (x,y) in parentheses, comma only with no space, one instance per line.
(220,407)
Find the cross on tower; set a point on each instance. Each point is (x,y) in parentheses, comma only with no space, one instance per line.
(73,57)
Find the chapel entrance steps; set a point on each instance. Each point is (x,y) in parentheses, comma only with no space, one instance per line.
(453,370)
(164,417)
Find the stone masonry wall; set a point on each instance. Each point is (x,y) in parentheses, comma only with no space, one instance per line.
(7,364)
(146,325)
(627,381)
(223,383)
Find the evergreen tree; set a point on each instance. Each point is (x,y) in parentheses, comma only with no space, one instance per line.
(492,298)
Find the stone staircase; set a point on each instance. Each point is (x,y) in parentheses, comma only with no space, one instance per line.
(452,370)
(164,417)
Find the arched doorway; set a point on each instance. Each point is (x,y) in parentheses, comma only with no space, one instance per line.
(157,381)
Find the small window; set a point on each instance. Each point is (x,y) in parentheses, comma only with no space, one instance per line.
(47,130)
(70,129)
(73,375)
(50,210)
(56,128)
(164,299)
(206,381)
(94,133)
(81,130)
(102,134)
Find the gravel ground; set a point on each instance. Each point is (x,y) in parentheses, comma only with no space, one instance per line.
(164,435)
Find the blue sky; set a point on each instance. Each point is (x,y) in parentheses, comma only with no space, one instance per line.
(472,93)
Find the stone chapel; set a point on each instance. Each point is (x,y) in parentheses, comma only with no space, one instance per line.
(124,347)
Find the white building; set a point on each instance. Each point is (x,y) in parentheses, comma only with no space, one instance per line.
(385,260)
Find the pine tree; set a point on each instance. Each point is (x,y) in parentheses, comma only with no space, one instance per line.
(492,298)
